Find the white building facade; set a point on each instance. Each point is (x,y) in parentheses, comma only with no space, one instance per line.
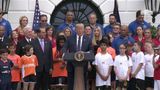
(127,9)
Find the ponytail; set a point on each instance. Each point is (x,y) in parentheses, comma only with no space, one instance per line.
(126,52)
(127,55)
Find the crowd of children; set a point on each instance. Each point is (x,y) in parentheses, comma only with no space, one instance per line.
(14,69)
(138,71)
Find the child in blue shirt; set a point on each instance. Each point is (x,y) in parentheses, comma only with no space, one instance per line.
(5,70)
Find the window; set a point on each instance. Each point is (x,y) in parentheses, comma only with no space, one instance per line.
(81,8)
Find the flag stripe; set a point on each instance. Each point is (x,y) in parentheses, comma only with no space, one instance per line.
(37,14)
(116,11)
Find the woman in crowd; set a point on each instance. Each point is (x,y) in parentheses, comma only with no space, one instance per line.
(59,73)
(67,32)
(51,35)
(140,36)
(23,22)
(97,36)
(122,68)
(157,38)
(148,37)
(14,37)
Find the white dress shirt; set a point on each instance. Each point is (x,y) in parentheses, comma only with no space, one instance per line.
(80,41)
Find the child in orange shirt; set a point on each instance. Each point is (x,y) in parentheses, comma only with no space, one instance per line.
(28,64)
(15,72)
(59,73)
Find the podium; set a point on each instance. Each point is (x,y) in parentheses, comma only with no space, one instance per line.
(79,59)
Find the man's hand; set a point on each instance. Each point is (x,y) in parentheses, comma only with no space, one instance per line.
(50,71)
(133,75)
(89,67)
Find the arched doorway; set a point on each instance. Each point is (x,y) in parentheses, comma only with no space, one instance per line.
(81,9)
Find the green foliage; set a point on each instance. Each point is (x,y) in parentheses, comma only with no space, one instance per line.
(153,31)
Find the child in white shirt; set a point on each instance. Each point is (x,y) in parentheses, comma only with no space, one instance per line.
(137,72)
(149,70)
(103,62)
(122,68)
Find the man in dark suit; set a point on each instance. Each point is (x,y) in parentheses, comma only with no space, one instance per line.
(4,41)
(43,51)
(72,46)
(25,41)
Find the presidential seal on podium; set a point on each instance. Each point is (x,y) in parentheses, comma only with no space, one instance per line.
(79,56)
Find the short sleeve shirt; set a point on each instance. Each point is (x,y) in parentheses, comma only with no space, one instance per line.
(103,62)
(138,58)
(122,63)
(28,64)
(5,71)
(15,72)
(149,70)
(157,70)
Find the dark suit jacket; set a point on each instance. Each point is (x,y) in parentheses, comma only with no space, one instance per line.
(71,44)
(45,59)
(71,47)
(4,44)
(20,46)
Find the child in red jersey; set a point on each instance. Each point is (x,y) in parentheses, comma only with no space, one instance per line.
(156,65)
(29,63)
(15,72)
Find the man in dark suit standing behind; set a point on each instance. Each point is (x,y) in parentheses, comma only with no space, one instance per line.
(24,41)
(43,51)
(78,42)
(4,40)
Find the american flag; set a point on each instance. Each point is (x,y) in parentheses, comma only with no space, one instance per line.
(36,16)
(116,11)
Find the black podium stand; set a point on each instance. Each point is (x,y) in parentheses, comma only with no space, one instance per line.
(78,59)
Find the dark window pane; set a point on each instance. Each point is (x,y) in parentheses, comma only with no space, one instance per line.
(81,10)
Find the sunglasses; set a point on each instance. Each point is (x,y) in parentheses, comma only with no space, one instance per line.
(44,20)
